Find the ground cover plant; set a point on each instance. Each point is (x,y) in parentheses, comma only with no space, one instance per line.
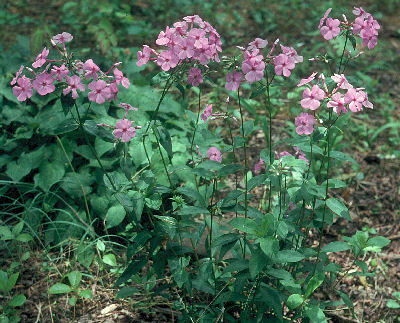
(167,173)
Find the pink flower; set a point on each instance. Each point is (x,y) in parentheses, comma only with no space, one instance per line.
(167,60)
(43,84)
(331,30)
(354,99)
(300,155)
(207,112)
(304,123)
(143,57)
(120,79)
(283,65)
(23,89)
(124,130)
(113,88)
(292,206)
(15,79)
(283,153)
(360,12)
(62,38)
(195,77)
(257,43)
(165,37)
(41,58)
(100,91)
(233,81)
(127,107)
(253,69)
(185,48)
(307,80)
(74,84)
(341,81)
(312,97)
(199,38)
(366,103)
(214,154)
(337,103)
(91,69)
(321,22)
(59,72)
(291,52)
(259,166)
(367,28)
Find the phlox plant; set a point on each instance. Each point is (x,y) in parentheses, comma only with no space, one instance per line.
(194,215)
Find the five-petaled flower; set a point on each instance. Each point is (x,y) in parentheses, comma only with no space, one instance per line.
(74,84)
(305,124)
(214,154)
(124,130)
(23,89)
(41,58)
(100,91)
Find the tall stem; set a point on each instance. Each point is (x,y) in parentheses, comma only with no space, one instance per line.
(194,134)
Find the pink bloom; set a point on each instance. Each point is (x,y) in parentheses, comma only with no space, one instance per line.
(283,65)
(100,91)
(312,97)
(120,79)
(207,112)
(354,99)
(304,123)
(365,102)
(360,12)
(331,30)
(307,80)
(127,107)
(321,22)
(253,69)
(283,153)
(259,166)
(74,84)
(15,79)
(165,37)
(23,89)
(233,81)
(124,130)
(337,103)
(113,88)
(91,69)
(341,81)
(195,77)
(59,72)
(292,206)
(143,57)
(167,60)
(43,84)
(181,27)
(257,43)
(41,58)
(185,48)
(198,36)
(62,38)
(300,155)
(291,52)
(214,154)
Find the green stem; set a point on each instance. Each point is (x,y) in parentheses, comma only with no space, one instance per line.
(194,134)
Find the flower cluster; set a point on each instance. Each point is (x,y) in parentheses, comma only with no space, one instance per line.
(364,26)
(192,39)
(354,99)
(69,74)
(254,63)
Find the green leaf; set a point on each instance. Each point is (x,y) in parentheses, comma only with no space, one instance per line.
(6,233)
(336,246)
(59,288)
(315,314)
(192,194)
(74,278)
(127,292)
(115,215)
(225,239)
(110,259)
(342,157)
(133,268)
(244,225)
(165,140)
(91,127)
(24,237)
(256,181)
(229,169)
(392,304)
(85,293)
(168,225)
(248,127)
(313,284)
(65,126)
(12,280)
(49,174)
(270,246)
(193,210)
(379,242)
(294,301)
(100,245)
(67,102)
(72,301)
(17,300)
(346,299)
(17,171)
(3,282)
(272,297)
(18,228)
(337,206)
(288,256)
(257,262)
(178,269)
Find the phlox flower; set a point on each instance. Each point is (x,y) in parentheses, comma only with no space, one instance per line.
(354,99)
(259,166)
(74,84)
(199,38)
(233,81)
(300,155)
(214,154)
(91,69)
(194,76)
(258,43)
(337,103)
(41,58)
(311,98)
(120,79)
(100,91)
(124,130)
(291,52)
(167,60)
(321,22)
(127,107)
(59,72)
(62,38)
(283,65)
(184,48)
(143,57)
(43,83)
(180,27)
(253,69)
(113,88)
(304,123)
(331,29)
(15,79)
(207,112)
(283,153)
(23,89)
(165,37)
(307,80)
(341,81)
